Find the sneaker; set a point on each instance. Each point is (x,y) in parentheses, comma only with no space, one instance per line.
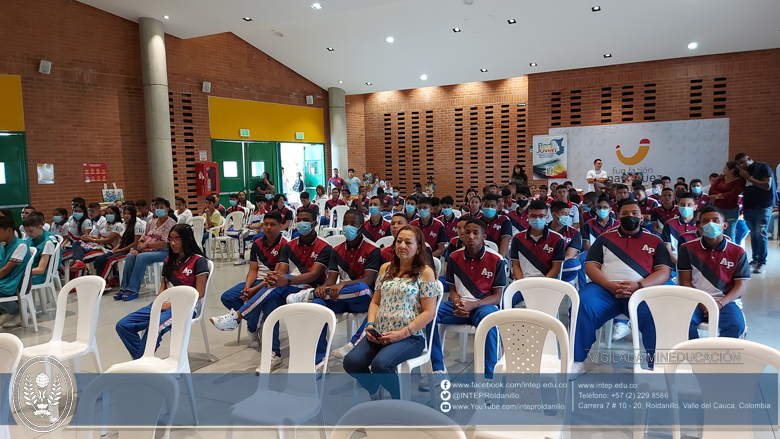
(129,295)
(302,296)
(322,366)
(240,261)
(254,339)
(760,268)
(13,322)
(5,318)
(621,330)
(753,264)
(78,265)
(438,377)
(227,322)
(378,395)
(342,352)
(276,363)
(577,369)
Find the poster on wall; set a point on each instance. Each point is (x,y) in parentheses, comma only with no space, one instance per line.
(45,173)
(648,151)
(549,156)
(95,173)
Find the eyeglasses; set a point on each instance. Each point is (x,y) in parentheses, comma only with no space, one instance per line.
(172,240)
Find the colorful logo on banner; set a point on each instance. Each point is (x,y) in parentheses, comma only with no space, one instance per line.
(549,157)
(644,148)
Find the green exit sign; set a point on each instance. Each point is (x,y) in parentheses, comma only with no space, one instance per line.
(299,136)
(243,133)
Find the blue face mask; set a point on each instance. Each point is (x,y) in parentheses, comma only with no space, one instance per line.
(160,212)
(537,223)
(373,210)
(565,221)
(350,232)
(395,194)
(424,213)
(489,212)
(585,208)
(110,218)
(303,228)
(447,211)
(602,213)
(78,215)
(233,202)
(268,196)
(696,190)
(656,191)
(685,212)
(57,219)
(711,230)
(410,209)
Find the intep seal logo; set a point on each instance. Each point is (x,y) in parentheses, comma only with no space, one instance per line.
(39,387)
(644,147)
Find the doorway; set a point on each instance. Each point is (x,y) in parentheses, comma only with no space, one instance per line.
(13,173)
(306,159)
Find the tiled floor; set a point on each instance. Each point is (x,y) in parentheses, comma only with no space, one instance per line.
(761,307)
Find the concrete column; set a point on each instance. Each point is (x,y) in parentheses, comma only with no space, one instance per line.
(158,125)
(338,132)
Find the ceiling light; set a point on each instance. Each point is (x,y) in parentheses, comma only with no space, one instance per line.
(511,21)
(330,49)
(533,64)
(389,39)
(483,70)
(607,55)
(247,19)
(368,83)
(693,45)
(595,8)
(456,30)
(167,17)
(341,82)
(424,77)
(316,6)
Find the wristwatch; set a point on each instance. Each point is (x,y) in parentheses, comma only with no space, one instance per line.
(639,286)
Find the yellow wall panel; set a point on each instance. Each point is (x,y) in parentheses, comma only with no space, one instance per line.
(272,122)
(11,109)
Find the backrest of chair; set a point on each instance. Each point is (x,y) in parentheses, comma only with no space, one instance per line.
(671,307)
(338,213)
(182,299)
(89,290)
(24,287)
(54,262)
(321,204)
(457,213)
(385,241)
(202,301)
(335,240)
(523,333)
(10,353)
(492,245)
(437,266)
(198,226)
(234,220)
(381,418)
(304,322)
(429,337)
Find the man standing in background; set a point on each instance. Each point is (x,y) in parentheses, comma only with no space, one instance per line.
(335,181)
(596,175)
(758,199)
(352,182)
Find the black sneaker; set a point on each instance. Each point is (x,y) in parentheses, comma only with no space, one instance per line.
(760,268)
(753,264)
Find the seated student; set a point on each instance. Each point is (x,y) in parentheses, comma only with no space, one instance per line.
(679,189)
(183,214)
(106,239)
(601,223)
(221,209)
(251,230)
(212,216)
(683,223)
(307,204)
(476,276)
(621,193)
(131,235)
(485,189)
(620,262)
(143,212)
(666,181)
(388,203)
(362,201)
(534,191)
(498,228)
(234,207)
(279,205)
(151,248)
(656,187)
(43,241)
(398,202)
(14,255)
(397,222)
(448,218)
(303,264)
(538,251)
(465,206)
(561,224)
(435,207)
(330,204)
(319,193)
(351,274)
(98,220)
(574,209)
(509,202)
(475,207)
(646,204)
(244,202)
(263,257)
(702,199)
(183,265)
(269,197)
(376,226)
(519,216)
(663,213)
(433,229)
(410,208)
(587,207)
(347,196)
(543,195)
(26,211)
(553,191)
(80,226)
(59,224)
(700,265)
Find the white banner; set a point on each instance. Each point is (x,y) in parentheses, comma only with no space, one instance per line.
(549,157)
(686,148)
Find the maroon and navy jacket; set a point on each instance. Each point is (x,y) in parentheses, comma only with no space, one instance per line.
(313,206)
(714,270)
(689,236)
(375,233)
(660,215)
(185,272)
(266,256)
(399,200)
(674,228)
(301,257)
(702,200)
(537,256)
(475,278)
(593,228)
(648,206)
(330,204)
(388,201)
(519,220)
(450,227)
(571,237)
(433,231)
(497,228)
(351,263)
(455,244)
(628,257)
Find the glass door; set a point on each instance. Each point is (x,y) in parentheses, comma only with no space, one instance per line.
(14,184)
(314,167)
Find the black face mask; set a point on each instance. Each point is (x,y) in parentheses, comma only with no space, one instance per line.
(522,203)
(630,223)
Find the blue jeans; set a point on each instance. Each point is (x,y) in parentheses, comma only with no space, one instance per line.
(255,309)
(382,360)
(757,221)
(135,269)
(447,316)
(730,324)
(357,299)
(10,308)
(103,263)
(133,323)
(731,216)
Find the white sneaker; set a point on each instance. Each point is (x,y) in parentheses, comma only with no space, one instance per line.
(227,322)
(276,363)
(10,321)
(254,339)
(342,352)
(378,395)
(240,261)
(621,330)
(577,369)
(302,296)
(438,377)
(322,366)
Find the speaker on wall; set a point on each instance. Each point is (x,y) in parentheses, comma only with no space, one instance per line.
(45,67)
(309,99)
(206,87)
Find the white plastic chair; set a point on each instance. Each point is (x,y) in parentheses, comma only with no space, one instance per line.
(385,241)
(156,269)
(492,245)
(389,419)
(47,291)
(302,399)
(10,354)
(89,290)
(523,334)
(437,267)
(337,214)
(753,359)
(198,225)
(183,300)
(198,319)
(288,233)
(24,295)
(335,240)
(234,220)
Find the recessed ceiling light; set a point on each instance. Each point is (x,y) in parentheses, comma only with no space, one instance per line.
(511,21)
(341,82)
(166,17)
(483,70)
(247,19)
(389,39)
(595,8)
(368,83)
(424,77)
(533,64)
(607,55)
(456,30)
(316,6)
(330,49)
(693,45)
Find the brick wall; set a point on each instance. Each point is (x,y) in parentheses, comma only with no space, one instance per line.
(479,123)
(91,108)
